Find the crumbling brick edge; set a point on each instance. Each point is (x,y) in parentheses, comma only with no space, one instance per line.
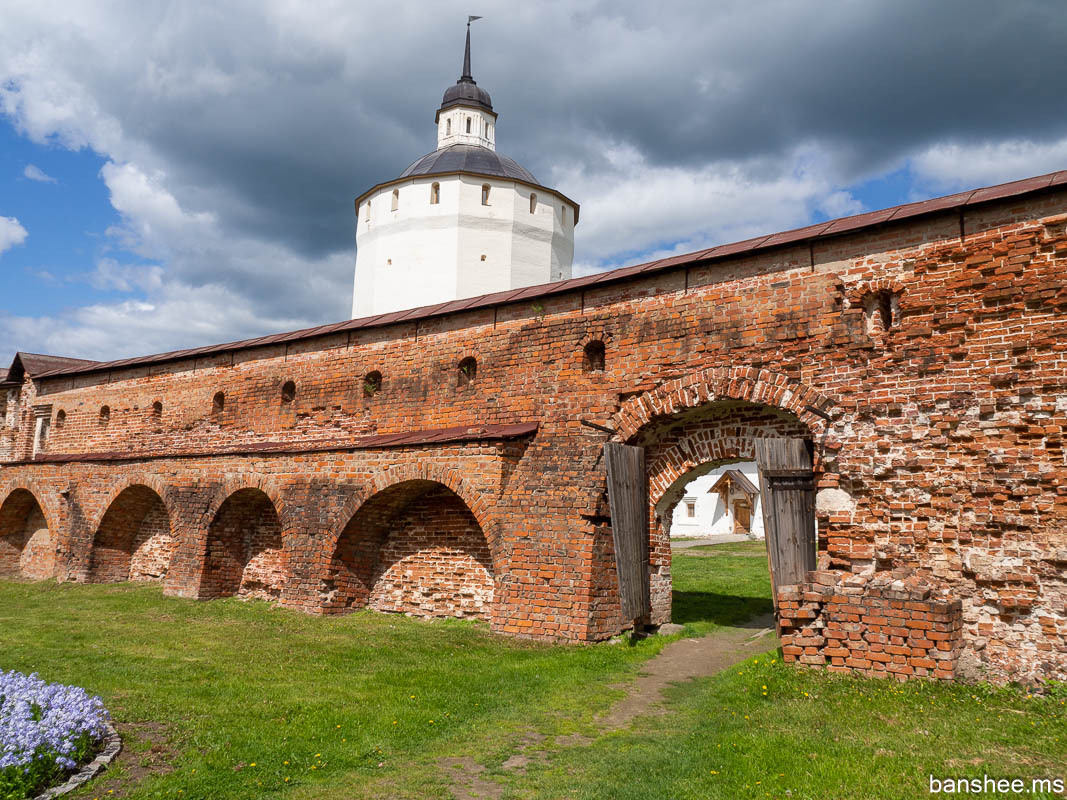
(112,747)
(896,623)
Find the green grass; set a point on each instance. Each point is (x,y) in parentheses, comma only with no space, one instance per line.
(237,683)
(756,549)
(213,688)
(722,590)
(812,735)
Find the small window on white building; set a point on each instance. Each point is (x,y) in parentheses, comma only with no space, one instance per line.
(366,211)
(468,124)
(533,203)
(435,193)
(396,199)
(448,127)
(485,194)
(690,508)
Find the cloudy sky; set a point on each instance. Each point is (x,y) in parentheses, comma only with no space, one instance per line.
(177,174)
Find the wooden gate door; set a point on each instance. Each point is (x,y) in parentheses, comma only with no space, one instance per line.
(628,501)
(787,487)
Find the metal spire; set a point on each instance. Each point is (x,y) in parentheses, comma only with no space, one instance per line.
(466,77)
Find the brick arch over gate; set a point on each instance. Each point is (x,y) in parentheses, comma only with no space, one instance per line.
(53,519)
(721,383)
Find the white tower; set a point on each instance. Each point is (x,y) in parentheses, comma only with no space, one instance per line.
(461,221)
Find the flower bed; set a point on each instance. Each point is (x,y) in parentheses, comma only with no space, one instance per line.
(46,730)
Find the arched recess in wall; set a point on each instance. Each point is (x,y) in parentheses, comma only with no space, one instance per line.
(414,547)
(244,555)
(27,546)
(135,540)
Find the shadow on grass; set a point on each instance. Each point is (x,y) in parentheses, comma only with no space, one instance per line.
(720,609)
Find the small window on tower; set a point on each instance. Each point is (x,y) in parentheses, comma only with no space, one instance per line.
(533,203)
(448,127)
(468,124)
(435,193)
(396,199)
(485,194)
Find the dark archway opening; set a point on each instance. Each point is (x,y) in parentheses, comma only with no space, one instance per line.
(134,541)
(27,549)
(245,556)
(414,548)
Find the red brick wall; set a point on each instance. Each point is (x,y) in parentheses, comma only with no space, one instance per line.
(886,623)
(414,548)
(943,452)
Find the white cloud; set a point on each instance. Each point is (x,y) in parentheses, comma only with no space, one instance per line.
(640,210)
(11,233)
(235,136)
(35,173)
(953,166)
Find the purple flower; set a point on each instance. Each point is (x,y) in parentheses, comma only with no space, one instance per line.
(42,721)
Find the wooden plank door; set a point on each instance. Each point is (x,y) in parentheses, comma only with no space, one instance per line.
(787,487)
(628,501)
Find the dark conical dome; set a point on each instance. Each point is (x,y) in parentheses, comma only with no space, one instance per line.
(466,92)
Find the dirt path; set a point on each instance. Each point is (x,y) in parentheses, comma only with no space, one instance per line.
(679,661)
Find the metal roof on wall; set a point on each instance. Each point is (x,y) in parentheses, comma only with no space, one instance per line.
(810,233)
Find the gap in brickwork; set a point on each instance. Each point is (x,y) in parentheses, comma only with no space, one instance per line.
(26,546)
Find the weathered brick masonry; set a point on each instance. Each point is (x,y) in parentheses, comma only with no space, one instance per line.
(921,350)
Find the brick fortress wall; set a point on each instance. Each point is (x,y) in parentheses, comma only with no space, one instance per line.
(933,345)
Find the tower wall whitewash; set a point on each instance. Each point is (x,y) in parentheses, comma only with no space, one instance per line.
(423,252)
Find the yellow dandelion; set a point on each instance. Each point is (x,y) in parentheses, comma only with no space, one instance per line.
(252,764)
(284,762)
(317,755)
(714,771)
(287,780)
(338,726)
(431,722)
